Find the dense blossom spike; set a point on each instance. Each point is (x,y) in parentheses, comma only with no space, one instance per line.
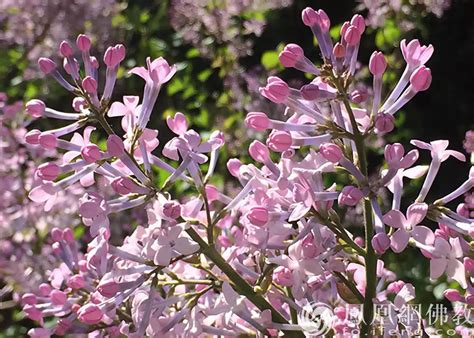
(242,263)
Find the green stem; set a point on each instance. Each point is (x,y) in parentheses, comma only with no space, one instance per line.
(370,257)
(240,284)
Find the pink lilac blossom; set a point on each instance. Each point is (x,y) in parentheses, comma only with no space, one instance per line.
(210,263)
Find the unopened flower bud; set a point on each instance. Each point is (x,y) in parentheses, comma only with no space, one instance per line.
(258,121)
(352,36)
(32,137)
(90,314)
(283,276)
(279,141)
(35,108)
(48,171)
(331,152)
(90,153)
(290,55)
(76,282)
(276,90)
(46,65)
(384,123)
(89,84)
(233,165)
(123,185)
(83,42)
(339,50)
(58,297)
(48,141)
(421,79)
(453,295)
(258,216)
(259,152)
(377,64)
(350,196)
(65,49)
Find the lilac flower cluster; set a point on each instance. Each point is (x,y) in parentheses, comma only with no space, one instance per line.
(23,224)
(212,264)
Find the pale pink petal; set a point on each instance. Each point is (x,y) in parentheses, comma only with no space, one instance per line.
(40,194)
(395,219)
(421,144)
(442,247)
(131,102)
(163,255)
(416,213)
(406,294)
(456,271)
(410,158)
(140,71)
(456,154)
(185,246)
(178,124)
(87,180)
(399,240)
(423,235)
(415,172)
(87,134)
(117,109)
(437,267)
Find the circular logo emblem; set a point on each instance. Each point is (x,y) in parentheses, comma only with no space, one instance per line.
(315,319)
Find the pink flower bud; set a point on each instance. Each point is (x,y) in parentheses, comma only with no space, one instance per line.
(115,146)
(350,196)
(310,17)
(68,235)
(56,248)
(259,152)
(324,22)
(48,141)
(384,123)
(310,92)
(283,276)
(309,249)
(258,216)
(258,121)
(276,90)
(44,289)
(48,171)
(340,312)
(32,137)
(469,298)
(32,312)
(290,55)
(76,282)
(393,154)
(56,234)
(28,298)
(279,141)
(377,64)
(380,242)
(94,62)
(58,297)
(469,265)
(65,49)
(90,153)
(83,42)
(352,36)
(211,192)
(453,295)
(339,51)
(123,185)
(108,288)
(421,79)
(78,103)
(46,65)
(233,165)
(90,314)
(114,55)
(359,22)
(344,28)
(173,209)
(358,96)
(395,287)
(89,84)
(35,108)
(331,152)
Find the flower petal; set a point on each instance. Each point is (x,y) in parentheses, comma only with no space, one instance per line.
(399,240)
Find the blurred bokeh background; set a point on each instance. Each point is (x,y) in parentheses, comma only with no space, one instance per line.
(224,50)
